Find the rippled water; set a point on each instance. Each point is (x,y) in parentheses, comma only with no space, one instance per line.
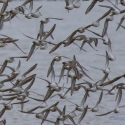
(71,21)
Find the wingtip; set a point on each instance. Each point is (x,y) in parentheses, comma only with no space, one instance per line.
(86,12)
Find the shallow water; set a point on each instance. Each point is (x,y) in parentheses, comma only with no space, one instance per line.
(71,21)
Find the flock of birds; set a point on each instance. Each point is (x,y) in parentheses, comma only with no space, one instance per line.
(71,71)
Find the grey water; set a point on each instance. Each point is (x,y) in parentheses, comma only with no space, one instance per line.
(71,21)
